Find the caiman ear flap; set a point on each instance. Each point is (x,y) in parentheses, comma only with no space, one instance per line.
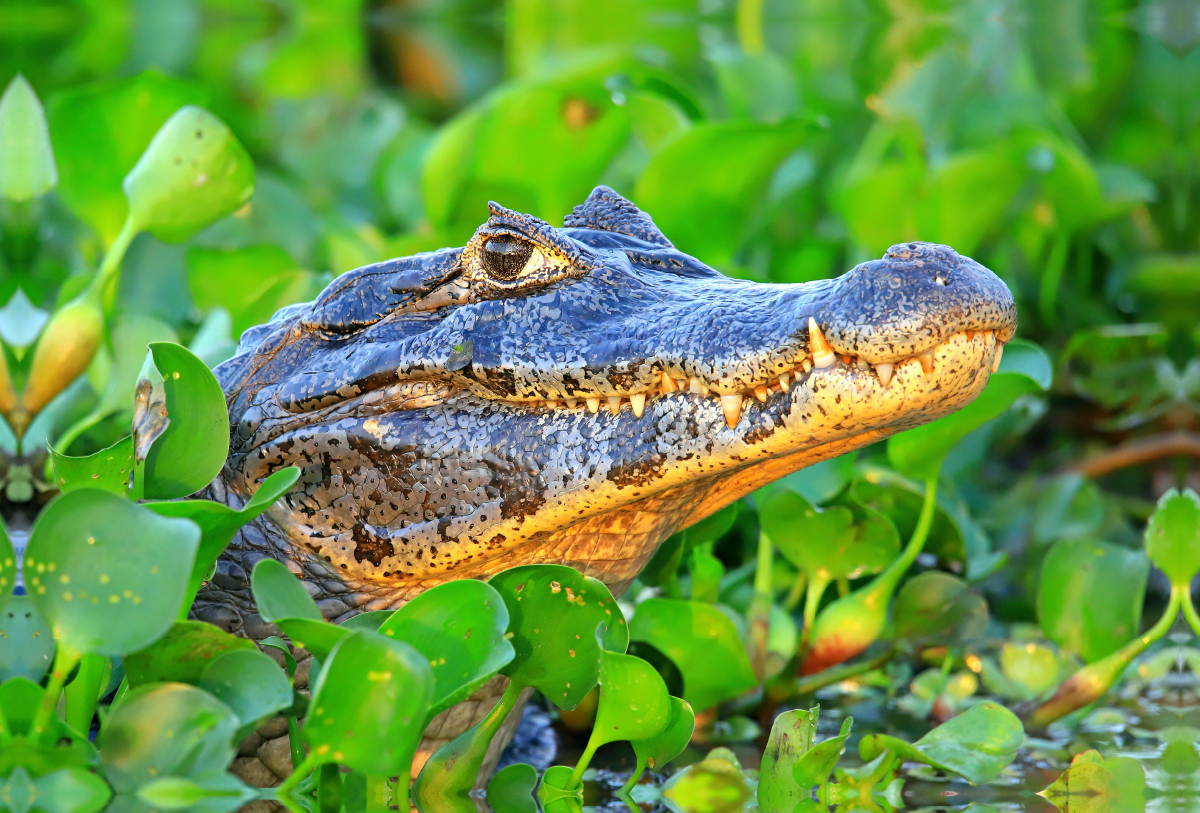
(606,210)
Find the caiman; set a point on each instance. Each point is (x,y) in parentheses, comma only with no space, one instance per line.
(569,395)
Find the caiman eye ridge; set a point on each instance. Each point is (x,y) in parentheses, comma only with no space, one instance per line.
(505,257)
(820,356)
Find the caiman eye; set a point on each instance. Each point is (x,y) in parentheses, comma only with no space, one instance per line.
(505,257)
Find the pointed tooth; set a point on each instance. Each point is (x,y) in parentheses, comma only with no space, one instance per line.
(884,371)
(681,384)
(970,335)
(697,386)
(533,404)
(785,381)
(862,364)
(552,404)
(760,392)
(807,365)
(821,351)
(989,336)
(926,360)
(614,404)
(999,354)
(731,405)
(592,404)
(846,359)
(638,402)
(668,384)
(572,402)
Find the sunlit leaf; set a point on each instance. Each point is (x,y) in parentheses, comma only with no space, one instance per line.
(181,655)
(27,168)
(936,606)
(792,735)
(109,469)
(511,789)
(814,765)
(1173,535)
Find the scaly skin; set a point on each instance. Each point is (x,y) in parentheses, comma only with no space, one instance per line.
(438,405)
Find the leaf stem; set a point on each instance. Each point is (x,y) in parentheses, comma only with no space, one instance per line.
(581,766)
(299,774)
(797,592)
(837,674)
(1189,609)
(638,770)
(64,662)
(112,262)
(885,583)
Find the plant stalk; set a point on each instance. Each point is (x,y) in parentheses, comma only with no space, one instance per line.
(64,662)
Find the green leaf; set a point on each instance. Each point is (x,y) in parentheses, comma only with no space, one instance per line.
(218,522)
(815,765)
(249,682)
(109,576)
(27,168)
(28,643)
(252,282)
(279,594)
(20,699)
(1091,787)
(707,214)
(827,544)
(115,374)
(702,642)
(99,132)
(1173,535)
(977,744)
(511,789)
(182,655)
(369,704)
(1090,595)
(792,735)
(657,750)
(8,564)
(554,612)
(109,469)
(900,499)
(69,790)
(935,606)
(180,425)
(214,793)
(165,729)
(459,627)
(634,704)
(919,452)
(193,173)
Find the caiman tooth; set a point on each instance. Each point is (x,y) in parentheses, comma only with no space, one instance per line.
(697,386)
(999,354)
(760,392)
(884,371)
(926,360)
(572,402)
(638,402)
(785,381)
(822,353)
(681,384)
(668,384)
(970,334)
(847,358)
(552,404)
(533,404)
(593,404)
(731,405)
(614,404)
(807,365)
(862,364)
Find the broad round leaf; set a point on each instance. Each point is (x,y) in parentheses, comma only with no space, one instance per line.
(27,168)
(109,576)
(935,606)
(279,594)
(634,704)
(193,173)
(511,789)
(828,544)
(554,612)
(1090,596)
(657,750)
(109,469)
(459,627)
(792,735)
(71,790)
(369,704)
(182,655)
(26,642)
(249,682)
(702,642)
(1173,535)
(815,764)
(180,423)
(165,729)
(8,565)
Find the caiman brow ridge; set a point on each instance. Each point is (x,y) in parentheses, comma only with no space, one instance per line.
(455,415)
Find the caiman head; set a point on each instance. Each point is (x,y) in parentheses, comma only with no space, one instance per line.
(574,396)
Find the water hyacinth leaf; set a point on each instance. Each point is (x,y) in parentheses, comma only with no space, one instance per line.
(8,564)
(1031,666)
(99,132)
(702,642)
(213,793)
(557,783)
(828,544)
(249,682)
(370,621)
(714,783)
(180,424)
(27,168)
(900,500)
(318,637)
(368,705)
(108,469)
(634,704)
(815,765)
(193,173)
(792,735)
(68,790)
(936,606)
(114,374)
(279,594)
(165,729)
(108,575)
(459,627)
(1085,787)
(977,744)
(554,612)
(182,655)
(218,522)
(511,789)
(656,751)
(28,648)
(919,452)
(1089,598)
(1173,535)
